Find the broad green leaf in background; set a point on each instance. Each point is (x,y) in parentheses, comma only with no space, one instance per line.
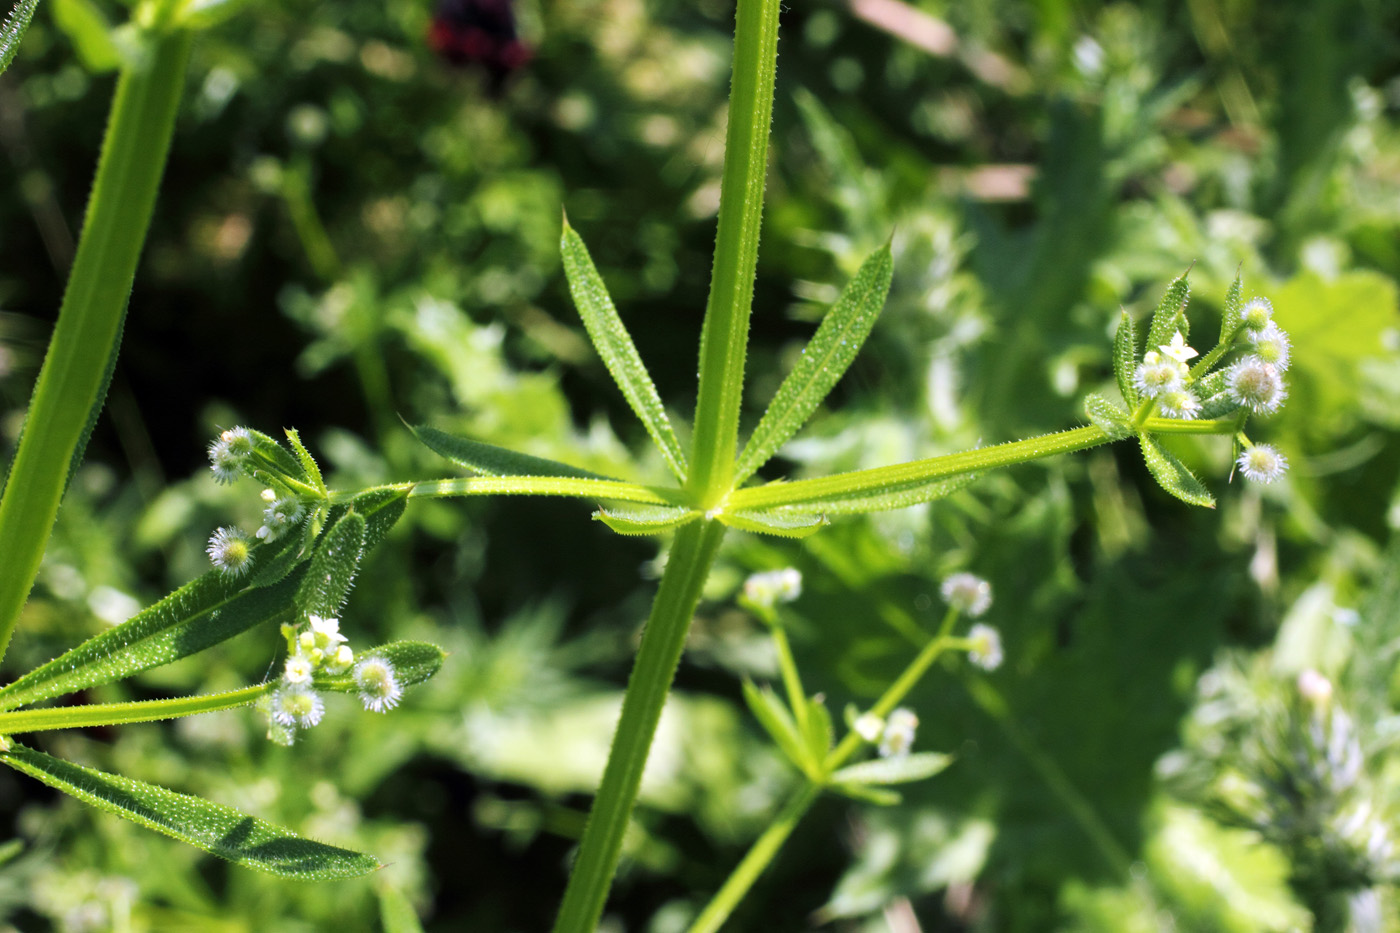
(227,833)
(646,520)
(333,567)
(824,361)
(200,614)
(1170,315)
(12,30)
(1125,358)
(1173,475)
(614,345)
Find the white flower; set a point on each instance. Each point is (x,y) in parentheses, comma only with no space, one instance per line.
(967,593)
(1177,349)
(297,706)
(869,727)
(1180,404)
(773,586)
(986,647)
(325,631)
(1257,313)
(1154,375)
(229,551)
(1314,687)
(898,737)
(1272,346)
(298,670)
(378,684)
(1257,385)
(1262,463)
(339,661)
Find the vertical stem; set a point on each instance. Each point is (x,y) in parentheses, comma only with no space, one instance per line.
(724,338)
(692,554)
(83,350)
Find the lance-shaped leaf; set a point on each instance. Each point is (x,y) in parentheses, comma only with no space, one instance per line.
(492,460)
(1114,421)
(12,30)
(898,769)
(784,524)
(200,614)
(777,721)
(382,508)
(224,831)
(824,361)
(646,520)
(308,463)
(614,345)
(876,795)
(1230,324)
(876,497)
(1125,358)
(816,730)
(413,661)
(1170,315)
(1173,475)
(268,450)
(333,567)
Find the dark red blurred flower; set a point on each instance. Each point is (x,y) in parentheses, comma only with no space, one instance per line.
(481,33)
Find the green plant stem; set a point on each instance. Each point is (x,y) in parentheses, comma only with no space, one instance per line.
(692,554)
(724,337)
(765,849)
(792,683)
(607,489)
(81,354)
(113,714)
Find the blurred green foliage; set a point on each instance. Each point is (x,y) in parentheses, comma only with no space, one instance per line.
(352,231)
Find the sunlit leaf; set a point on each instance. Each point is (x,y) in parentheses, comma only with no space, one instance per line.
(333,566)
(1170,315)
(897,769)
(12,30)
(646,520)
(381,508)
(777,721)
(898,494)
(227,833)
(824,361)
(396,913)
(817,731)
(784,524)
(1173,475)
(308,463)
(1114,421)
(89,31)
(200,614)
(868,794)
(614,345)
(1232,318)
(1125,358)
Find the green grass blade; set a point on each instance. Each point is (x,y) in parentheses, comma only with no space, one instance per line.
(1173,475)
(614,345)
(824,361)
(114,714)
(333,567)
(200,614)
(1170,315)
(646,521)
(783,524)
(224,831)
(492,460)
(1125,358)
(12,30)
(73,379)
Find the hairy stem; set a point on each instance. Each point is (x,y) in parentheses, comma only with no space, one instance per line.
(112,714)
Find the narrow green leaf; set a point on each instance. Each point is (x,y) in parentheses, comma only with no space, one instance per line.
(784,524)
(646,520)
(1172,474)
(308,463)
(777,721)
(396,913)
(1233,317)
(492,460)
(224,831)
(817,731)
(333,567)
(876,795)
(1125,358)
(267,448)
(414,662)
(899,769)
(12,30)
(1170,315)
(895,494)
(200,614)
(1114,421)
(614,345)
(824,361)
(382,508)
(87,28)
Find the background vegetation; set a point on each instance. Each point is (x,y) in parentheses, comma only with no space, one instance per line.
(353,230)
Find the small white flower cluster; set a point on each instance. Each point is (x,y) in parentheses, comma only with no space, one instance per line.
(967,593)
(894,736)
(1162,376)
(771,587)
(230,551)
(320,648)
(228,454)
(986,650)
(281,515)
